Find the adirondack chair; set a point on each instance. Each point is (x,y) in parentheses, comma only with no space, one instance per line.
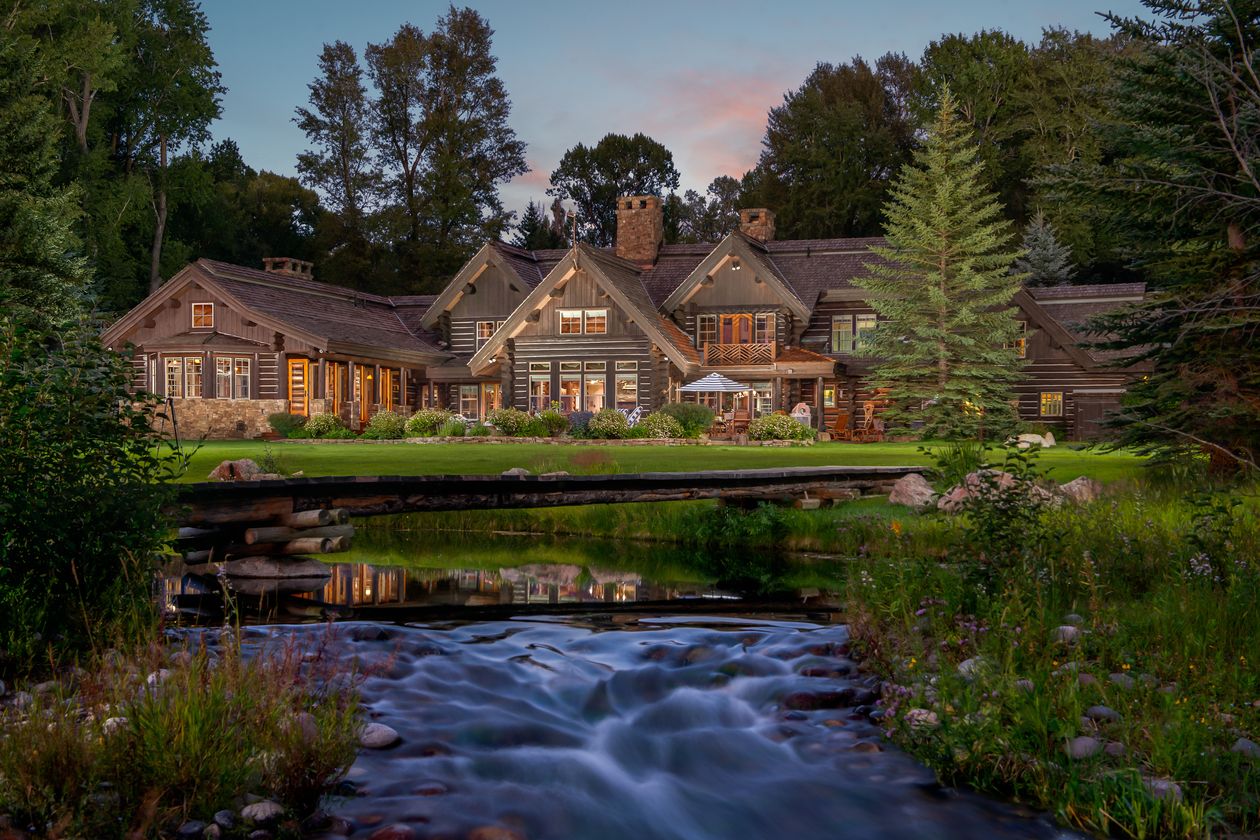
(635,416)
(841,427)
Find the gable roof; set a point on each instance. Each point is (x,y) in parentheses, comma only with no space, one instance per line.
(621,280)
(737,245)
(530,267)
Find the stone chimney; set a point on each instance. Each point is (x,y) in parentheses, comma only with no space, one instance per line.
(757,222)
(640,228)
(289,267)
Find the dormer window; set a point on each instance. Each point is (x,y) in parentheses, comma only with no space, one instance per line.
(203,316)
(485,330)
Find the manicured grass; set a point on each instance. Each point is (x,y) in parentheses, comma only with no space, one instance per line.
(472,459)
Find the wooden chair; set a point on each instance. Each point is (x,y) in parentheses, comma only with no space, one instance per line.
(739,422)
(842,430)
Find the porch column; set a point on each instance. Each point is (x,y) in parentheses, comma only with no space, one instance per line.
(353,403)
(776,393)
(322,384)
(402,388)
(818,404)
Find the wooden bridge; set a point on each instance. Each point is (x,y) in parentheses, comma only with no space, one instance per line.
(206,505)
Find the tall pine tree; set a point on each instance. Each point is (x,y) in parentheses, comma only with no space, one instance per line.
(943,291)
(534,232)
(1046,261)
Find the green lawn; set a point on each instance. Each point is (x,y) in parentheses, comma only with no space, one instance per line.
(473,459)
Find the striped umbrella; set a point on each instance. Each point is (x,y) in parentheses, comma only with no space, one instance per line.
(715,383)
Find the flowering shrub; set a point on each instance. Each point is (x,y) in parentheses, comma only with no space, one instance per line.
(323,426)
(510,421)
(452,428)
(385,425)
(480,430)
(778,427)
(658,425)
(427,421)
(578,421)
(609,423)
(693,417)
(554,423)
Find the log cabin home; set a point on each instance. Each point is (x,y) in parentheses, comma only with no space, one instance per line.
(583,329)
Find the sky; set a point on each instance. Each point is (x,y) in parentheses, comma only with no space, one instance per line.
(697,75)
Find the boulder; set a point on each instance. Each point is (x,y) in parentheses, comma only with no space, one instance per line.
(1163,789)
(1068,634)
(378,736)
(969,669)
(1082,746)
(912,491)
(983,482)
(263,812)
(515,472)
(1123,680)
(240,470)
(1081,490)
(1102,714)
(1028,441)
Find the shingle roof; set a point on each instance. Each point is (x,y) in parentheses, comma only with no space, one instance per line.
(530,266)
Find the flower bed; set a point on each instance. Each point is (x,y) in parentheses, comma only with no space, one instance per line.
(556,441)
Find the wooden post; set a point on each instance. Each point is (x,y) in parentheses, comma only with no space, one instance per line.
(818,404)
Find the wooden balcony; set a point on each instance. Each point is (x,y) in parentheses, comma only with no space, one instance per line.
(738,355)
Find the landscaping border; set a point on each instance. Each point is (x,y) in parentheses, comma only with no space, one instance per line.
(554,441)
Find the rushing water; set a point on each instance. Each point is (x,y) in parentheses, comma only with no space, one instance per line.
(602,697)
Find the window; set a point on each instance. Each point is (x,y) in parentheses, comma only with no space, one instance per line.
(765,328)
(223,378)
(485,329)
(174,377)
(570,391)
(863,326)
(621,366)
(596,385)
(203,316)
(597,365)
(829,396)
(539,393)
(240,373)
(468,401)
(627,391)
(763,398)
(570,366)
(540,367)
(596,321)
(570,322)
(735,329)
(192,377)
(706,330)
(1021,343)
(847,332)
(1051,403)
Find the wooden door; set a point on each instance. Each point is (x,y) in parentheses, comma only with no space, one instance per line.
(489,397)
(299,386)
(363,386)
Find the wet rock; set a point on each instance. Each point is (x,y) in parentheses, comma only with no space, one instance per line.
(922,718)
(1102,714)
(867,747)
(495,832)
(225,820)
(398,831)
(969,669)
(1163,789)
(1115,749)
(431,789)
(378,736)
(912,491)
(369,633)
(810,700)
(262,813)
(1081,490)
(1026,686)
(1123,680)
(1246,747)
(191,830)
(1067,634)
(243,469)
(1082,746)
(212,832)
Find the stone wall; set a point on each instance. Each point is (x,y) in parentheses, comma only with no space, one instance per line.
(224,419)
(640,228)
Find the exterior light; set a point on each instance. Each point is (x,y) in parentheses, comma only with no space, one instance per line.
(735,265)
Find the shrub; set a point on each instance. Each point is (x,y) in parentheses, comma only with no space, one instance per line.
(385,425)
(578,422)
(510,421)
(955,461)
(659,425)
(426,422)
(609,423)
(452,428)
(537,428)
(480,430)
(694,418)
(553,422)
(778,427)
(284,423)
(339,433)
(323,425)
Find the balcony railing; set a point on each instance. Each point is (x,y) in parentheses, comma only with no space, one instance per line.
(722,355)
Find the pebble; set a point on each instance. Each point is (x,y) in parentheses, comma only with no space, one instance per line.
(1115,749)
(1123,680)
(1082,746)
(225,819)
(262,812)
(1086,679)
(494,832)
(398,831)
(1246,747)
(969,669)
(1102,714)
(1067,634)
(191,830)
(1026,686)
(378,736)
(1163,789)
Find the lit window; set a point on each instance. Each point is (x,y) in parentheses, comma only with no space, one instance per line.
(622,366)
(596,385)
(863,326)
(539,392)
(1051,403)
(765,328)
(223,378)
(627,393)
(570,322)
(570,366)
(596,321)
(763,397)
(539,367)
(469,401)
(570,391)
(1021,343)
(203,316)
(174,377)
(485,329)
(240,372)
(829,396)
(192,377)
(706,330)
(597,365)
(847,332)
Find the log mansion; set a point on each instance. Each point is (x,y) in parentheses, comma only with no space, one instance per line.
(584,328)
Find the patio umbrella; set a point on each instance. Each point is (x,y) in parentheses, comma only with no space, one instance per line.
(715,383)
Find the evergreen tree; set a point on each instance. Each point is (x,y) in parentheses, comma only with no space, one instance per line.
(534,232)
(1046,261)
(943,290)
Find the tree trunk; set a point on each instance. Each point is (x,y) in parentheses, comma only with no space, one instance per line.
(159,229)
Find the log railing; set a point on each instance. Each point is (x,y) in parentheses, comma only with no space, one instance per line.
(720,355)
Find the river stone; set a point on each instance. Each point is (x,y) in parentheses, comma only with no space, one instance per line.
(1163,789)
(240,470)
(262,812)
(398,831)
(1081,490)
(1123,680)
(191,830)
(1026,686)
(1082,746)
(1084,680)
(969,669)
(867,747)
(1073,619)
(1115,749)
(1067,633)
(1102,714)
(494,832)
(212,832)
(912,491)
(225,819)
(1246,747)
(378,736)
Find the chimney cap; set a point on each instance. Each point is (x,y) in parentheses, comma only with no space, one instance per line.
(289,267)
(638,202)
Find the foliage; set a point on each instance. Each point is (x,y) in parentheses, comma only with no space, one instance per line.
(579,421)
(426,422)
(385,425)
(1004,525)
(779,427)
(695,418)
(608,423)
(323,425)
(81,492)
(945,345)
(1177,188)
(452,428)
(1045,262)
(182,749)
(535,232)
(660,425)
(510,421)
(282,422)
(480,430)
(954,461)
(594,177)
(709,217)
(554,422)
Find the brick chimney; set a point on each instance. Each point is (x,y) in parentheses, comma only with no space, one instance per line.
(640,228)
(289,267)
(757,222)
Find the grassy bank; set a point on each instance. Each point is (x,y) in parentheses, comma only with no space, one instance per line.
(489,459)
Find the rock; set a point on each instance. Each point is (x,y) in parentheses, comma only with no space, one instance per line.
(1082,746)
(1246,748)
(912,491)
(112,725)
(969,669)
(953,500)
(157,677)
(1115,749)
(437,788)
(398,831)
(22,700)
(212,832)
(515,472)
(1163,789)
(983,482)
(1067,634)
(1084,680)
(262,813)
(1073,619)
(1048,440)
(181,657)
(47,687)
(867,747)
(1102,714)
(922,718)
(1026,686)
(1123,680)
(494,832)
(225,820)
(260,834)
(1028,440)
(378,736)
(555,474)
(1081,490)
(241,470)
(191,830)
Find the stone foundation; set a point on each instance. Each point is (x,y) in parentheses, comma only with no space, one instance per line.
(224,419)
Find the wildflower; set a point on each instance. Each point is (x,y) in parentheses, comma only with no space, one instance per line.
(896,527)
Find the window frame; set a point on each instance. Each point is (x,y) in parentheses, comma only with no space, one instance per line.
(570,321)
(223,370)
(601,314)
(194,315)
(632,378)
(479,339)
(240,375)
(588,379)
(475,397)
(194,370)
(706,330)
(765,326)
(173,364)
(1053,399)
(539,401)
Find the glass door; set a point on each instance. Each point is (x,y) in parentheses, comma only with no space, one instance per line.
(299,393)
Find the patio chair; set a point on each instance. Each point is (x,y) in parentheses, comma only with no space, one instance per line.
(842,430)
(635,416)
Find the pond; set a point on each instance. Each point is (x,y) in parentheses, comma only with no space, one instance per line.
(574,689)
